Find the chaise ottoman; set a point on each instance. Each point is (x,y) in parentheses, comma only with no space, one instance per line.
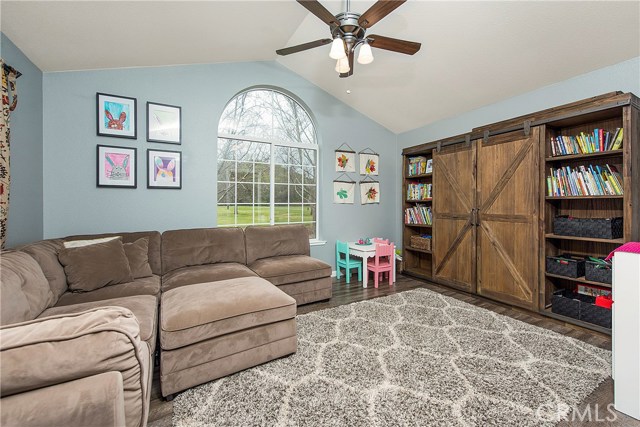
(210,330)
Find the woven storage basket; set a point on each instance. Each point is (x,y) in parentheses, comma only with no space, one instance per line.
(597,272)
(563,303)
(423,243)
(581,307)
(565,266)
(600,228)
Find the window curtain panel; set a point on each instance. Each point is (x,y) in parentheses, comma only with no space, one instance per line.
(9,102)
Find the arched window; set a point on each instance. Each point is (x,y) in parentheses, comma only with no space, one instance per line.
(267,162)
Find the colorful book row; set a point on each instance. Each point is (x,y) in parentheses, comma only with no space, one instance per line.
(585,143)
(418,215)
(419,166)
(585,181)
(419,191)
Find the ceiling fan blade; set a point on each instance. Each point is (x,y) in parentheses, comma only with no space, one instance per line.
(351,55)
(304,46)
(320,11)
(395,45)
(378,11)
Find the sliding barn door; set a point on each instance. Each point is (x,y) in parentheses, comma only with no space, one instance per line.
(507,225)
(454,237)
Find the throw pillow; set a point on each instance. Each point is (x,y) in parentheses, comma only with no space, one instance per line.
(92,267)
(81,243)
(138,256)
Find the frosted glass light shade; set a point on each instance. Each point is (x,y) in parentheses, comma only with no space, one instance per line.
(337,49)
(365,56)
(342,66)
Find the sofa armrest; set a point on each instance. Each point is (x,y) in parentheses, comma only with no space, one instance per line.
(97,400)
(58,349)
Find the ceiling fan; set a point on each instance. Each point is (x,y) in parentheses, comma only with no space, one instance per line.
(348,32)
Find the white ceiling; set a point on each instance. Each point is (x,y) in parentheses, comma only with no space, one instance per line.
(473,53)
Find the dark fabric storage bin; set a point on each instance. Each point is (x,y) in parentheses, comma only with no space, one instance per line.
(565,265)
(581,307)
(599,228)
(596,272)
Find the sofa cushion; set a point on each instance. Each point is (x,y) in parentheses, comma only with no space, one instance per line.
(143,286)
(24,290)
(144,308)
(130,237)
(194,313)
(94,266)
(200,246)
(45,252)
(278,240)
(80,243)
(281,270)
(138,256)
(204,273)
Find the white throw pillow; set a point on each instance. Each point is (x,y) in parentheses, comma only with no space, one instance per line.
(81,243)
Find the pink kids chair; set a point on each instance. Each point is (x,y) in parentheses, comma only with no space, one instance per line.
(380,240)
(382,262)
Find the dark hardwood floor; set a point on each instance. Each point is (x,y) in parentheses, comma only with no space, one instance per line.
(161,412)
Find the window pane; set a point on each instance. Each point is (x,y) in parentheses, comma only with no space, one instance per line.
(281,214)
(295,194)
(295,174)
(309,195)
(226,193)
(295,156)
(309,213)
(226,215)
(262,193)
(308,157)
(226,170)
(262,152)
(262,214)
(281,155)
(245,214)
(312,229)
(281,193)
(245,172)
(226,149)
(245,193)
(282,173)
(309,175)
(295,213)
(262,172)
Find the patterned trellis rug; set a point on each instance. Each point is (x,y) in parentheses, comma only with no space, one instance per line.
(416,358)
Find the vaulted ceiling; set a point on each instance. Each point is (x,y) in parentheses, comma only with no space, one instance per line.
(473,53)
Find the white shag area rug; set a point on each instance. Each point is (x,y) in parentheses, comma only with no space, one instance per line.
(416,358)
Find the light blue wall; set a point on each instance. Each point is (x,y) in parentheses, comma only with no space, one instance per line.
(73,204)
(624,76)
(25,209)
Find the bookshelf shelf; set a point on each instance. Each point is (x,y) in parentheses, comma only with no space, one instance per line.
(600,154)
(418,225)
(547,312)
(422,175)
(584,239)
(579,279)
(583,197)
(424,251)
(419,201)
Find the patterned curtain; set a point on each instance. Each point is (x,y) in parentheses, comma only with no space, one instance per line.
(9,76)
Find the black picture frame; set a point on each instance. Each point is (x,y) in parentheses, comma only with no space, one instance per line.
(172,139)
(153,173)
(102,130)
(101,159)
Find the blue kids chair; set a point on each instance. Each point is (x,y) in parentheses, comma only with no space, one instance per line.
(344,260)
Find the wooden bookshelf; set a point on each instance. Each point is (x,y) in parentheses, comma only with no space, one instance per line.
(416,262)
(578,280)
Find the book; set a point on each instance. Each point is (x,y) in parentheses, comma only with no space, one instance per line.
(429,167)
(584,180)
(598,140)
(617,144)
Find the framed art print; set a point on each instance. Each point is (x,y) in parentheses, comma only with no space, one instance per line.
(164,123)
(116,167)
(164,169)
(116,116)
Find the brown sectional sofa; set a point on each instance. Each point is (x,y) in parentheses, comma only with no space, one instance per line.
(86,358)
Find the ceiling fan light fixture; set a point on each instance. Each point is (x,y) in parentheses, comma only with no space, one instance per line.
(365,56)
(337,49)
(342,66)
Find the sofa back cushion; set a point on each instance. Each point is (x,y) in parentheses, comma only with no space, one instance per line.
(278,240)
(154,244)
(200,246)
(24,289)
(45,252)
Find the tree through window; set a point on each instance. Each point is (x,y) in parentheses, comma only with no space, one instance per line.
(267,162)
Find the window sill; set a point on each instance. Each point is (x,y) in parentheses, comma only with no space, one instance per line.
(316,242)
